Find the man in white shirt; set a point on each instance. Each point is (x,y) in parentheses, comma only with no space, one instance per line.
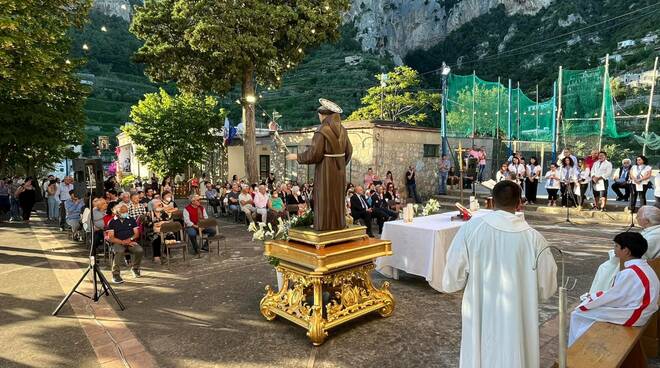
(261,202)
(601,172)
(632,299)
(494,258)
(65,187)
(247,204)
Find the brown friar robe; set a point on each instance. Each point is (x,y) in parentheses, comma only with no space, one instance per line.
(331,138)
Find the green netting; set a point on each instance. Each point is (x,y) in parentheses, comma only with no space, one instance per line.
(583,103)
(480,108)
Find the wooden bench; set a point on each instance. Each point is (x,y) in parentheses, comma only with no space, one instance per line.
(606,345)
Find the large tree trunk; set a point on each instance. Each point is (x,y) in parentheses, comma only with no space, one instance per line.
(250,141)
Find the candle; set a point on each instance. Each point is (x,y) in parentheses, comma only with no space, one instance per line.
(460,156)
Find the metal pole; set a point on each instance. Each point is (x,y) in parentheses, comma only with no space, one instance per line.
(443,114)
(474,96)
(509,117)
(602,107)
(559,113)
(497,120)
(518,109)
(537,112)
(563,338)
(648,114)
(554,117)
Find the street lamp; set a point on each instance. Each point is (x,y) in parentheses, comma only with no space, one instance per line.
(443,118)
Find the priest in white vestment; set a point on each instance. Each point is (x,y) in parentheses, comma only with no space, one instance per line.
(648,217)
(633,298)
(493,258)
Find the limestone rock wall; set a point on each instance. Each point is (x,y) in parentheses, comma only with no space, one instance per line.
(399,26)
(117,8)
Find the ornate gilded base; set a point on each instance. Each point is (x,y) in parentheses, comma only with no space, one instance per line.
(320,239)
(319,298)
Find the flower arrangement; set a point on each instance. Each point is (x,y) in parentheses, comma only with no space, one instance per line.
(431,207)
(262,231)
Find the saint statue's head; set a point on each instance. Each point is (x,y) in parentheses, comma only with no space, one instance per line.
(329,111)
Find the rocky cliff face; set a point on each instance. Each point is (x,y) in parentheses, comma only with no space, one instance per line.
(399,26)
(117,8)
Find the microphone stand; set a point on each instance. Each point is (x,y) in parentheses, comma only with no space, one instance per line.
(93,267)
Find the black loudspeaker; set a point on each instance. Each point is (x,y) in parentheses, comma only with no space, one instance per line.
(84,166)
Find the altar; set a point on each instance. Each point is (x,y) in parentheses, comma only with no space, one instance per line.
(420,248)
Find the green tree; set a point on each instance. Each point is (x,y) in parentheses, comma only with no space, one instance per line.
(41,99)
(396,99)
(173,132)
(211,46)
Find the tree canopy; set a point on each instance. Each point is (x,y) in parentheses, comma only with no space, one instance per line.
(211,46)
(41,99)
(173,132)
(397,99)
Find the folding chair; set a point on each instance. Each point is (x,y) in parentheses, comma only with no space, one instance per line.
(172,227)
(217,238)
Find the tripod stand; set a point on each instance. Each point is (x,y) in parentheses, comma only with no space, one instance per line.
(97,275)
(570,195)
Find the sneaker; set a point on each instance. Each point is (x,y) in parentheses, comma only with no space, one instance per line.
(116,279)
(136,273)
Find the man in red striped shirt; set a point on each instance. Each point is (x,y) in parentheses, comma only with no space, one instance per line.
(632,299)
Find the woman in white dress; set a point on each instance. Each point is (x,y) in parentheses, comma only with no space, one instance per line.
(518,169)
(568,176)
(532,175)
(552,185)
(584,176)
(640,175)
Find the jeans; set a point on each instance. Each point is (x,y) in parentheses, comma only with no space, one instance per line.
(192,235)
(15,209)
(120,252)
(443,182)
(480,176)
(53,208)
(412,192)
(616,188)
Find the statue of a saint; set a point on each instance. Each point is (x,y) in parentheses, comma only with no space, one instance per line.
(330,152)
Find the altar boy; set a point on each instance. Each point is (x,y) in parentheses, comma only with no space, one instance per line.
(632,299)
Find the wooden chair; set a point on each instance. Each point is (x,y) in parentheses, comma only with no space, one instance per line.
(217,238)
(143,220)
(172,227)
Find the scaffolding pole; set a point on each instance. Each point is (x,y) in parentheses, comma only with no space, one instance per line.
(474,97)
(602,107)
(559,113)
(554,117)
(537,112)
(509,118)
(648,114)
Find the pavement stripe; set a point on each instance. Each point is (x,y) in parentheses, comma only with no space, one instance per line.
(113,342)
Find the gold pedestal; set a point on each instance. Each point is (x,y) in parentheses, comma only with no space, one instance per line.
(339,273)
(320,239)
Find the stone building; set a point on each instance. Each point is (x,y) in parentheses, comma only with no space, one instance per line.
(380,145)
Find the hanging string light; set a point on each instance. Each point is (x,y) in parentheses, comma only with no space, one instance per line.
(104,29)
(85,47)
